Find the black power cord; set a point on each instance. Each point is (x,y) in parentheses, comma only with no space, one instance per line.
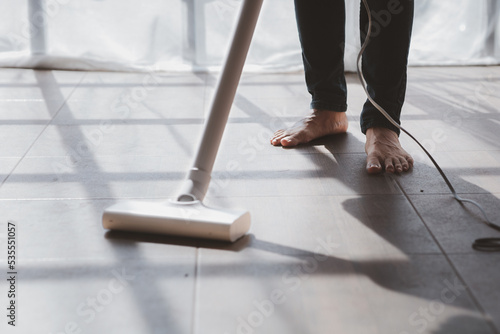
(483,244)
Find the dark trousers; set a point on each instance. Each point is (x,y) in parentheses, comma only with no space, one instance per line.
(321,25)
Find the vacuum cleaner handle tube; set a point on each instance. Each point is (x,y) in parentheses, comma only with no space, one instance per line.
(198,179)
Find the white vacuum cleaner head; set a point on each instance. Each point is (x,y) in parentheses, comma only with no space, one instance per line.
(188,219)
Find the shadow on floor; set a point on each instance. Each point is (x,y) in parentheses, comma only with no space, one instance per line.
(393,275)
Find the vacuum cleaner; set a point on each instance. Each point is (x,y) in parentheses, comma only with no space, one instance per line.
(187,216)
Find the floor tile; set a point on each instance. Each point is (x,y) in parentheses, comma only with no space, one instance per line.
(38,85)
(266,292)
(454,109)
(14,145)
(143,98)
(268,85)
(451,80)
(270,175)
(454,226)
(74,274)
(362,227)
(469,172)
(480,272)
(25,112)
(71,230)
(440,136)
(351,142)
(118,139)
(251,138)
(7,165)
(346,174)
(94,296)
(103,177)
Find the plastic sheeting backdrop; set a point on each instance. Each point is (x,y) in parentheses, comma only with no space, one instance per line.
(185,35)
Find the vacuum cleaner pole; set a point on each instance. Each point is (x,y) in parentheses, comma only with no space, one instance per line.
(198,178)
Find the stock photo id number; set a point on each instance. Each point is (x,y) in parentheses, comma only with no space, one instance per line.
(11,273)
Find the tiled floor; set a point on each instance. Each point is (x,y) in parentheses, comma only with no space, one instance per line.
(330,250)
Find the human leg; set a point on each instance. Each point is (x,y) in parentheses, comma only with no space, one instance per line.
(384,66)
(321,25)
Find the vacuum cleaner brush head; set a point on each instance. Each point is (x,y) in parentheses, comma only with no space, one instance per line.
(188,219)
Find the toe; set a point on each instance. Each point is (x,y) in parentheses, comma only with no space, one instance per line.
(276,141)
(294,139)
(289,141)
(398,166)
(389,166)
(410,162)
(405,165)
(277,137)
(373,165)
(277,134)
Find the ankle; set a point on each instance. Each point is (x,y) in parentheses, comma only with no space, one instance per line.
(380,132)
(329,115)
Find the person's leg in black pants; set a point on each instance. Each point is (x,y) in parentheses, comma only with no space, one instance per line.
(321,30)
(323,56)
(385,59)
(384,66)
(321,25)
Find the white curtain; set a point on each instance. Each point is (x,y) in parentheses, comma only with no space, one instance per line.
(186,35)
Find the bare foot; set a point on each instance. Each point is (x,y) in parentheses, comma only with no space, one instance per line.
(385,152)
(317,124)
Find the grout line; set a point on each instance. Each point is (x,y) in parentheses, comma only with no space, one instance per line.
(171,196)
(43,130)
(194,320)
(476,302)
